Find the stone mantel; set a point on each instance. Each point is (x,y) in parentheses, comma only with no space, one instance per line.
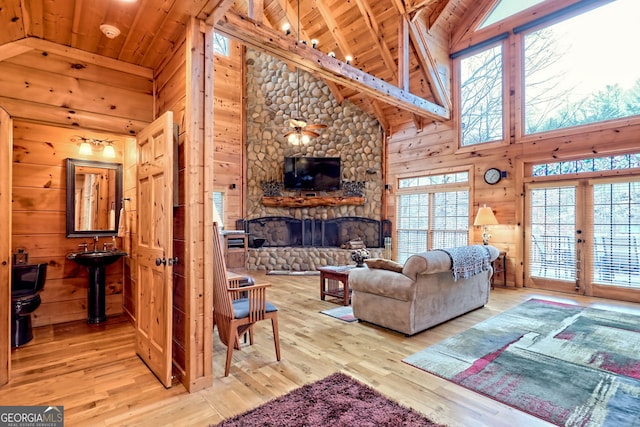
(303,202)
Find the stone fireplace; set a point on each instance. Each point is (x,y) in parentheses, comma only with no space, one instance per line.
(308,236)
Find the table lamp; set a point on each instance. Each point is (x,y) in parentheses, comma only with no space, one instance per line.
(485,217)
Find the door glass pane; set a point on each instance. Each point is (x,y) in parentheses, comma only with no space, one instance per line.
(616,233)
(553,226)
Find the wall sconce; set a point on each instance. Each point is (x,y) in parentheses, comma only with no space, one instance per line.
(286,28)
(314,43)
(89,144)
(348,59)
(485,217)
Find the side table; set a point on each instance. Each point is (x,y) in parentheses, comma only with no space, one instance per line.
(500,267)
(330,279)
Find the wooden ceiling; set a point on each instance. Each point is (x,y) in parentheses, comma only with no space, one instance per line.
(410,70)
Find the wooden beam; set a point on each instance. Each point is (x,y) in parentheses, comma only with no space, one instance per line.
(222,8)
(334,29)
(335,91)
(278,45)
(436,13)
(379,112)
(403,53)
(256,10)
(428,63)
(11,49)
(81,55)
(376,34)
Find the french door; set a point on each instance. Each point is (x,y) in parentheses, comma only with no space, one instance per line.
(584,236)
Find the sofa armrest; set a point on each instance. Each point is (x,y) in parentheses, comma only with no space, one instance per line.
(426,263)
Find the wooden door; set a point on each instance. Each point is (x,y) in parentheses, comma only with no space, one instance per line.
(6,144)
(155,247)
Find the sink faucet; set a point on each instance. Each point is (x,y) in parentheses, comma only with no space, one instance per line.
(95,242)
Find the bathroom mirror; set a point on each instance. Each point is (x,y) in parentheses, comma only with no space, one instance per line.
(94,198)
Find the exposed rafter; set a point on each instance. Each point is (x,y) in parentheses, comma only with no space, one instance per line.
(260,37)
(374,31)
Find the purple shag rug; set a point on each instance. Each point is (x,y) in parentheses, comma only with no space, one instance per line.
(337,400)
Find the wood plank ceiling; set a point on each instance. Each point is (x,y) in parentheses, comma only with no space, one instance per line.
(371,31)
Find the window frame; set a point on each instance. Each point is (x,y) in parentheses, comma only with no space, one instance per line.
(457,96)
(532,19)
(432,189)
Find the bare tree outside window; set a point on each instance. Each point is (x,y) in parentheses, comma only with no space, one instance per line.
(481,101)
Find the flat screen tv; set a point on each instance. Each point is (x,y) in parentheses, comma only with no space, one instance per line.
(312,173)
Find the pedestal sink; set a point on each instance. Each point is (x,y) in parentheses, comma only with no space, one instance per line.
(96,261)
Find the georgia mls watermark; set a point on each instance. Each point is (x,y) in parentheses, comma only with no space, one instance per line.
(31,416)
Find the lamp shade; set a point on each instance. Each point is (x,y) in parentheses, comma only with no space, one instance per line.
(485,216)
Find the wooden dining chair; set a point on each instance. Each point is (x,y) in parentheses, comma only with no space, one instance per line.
(237,308)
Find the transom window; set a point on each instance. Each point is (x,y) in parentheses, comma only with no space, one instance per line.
(598,164)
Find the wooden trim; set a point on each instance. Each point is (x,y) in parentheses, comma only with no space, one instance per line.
(6,158)
(304,202)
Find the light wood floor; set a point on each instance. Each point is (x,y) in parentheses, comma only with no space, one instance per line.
(94,373)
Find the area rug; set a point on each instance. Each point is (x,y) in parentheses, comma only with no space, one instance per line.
(566,364)
(337,401)
(293,273)
(343,313)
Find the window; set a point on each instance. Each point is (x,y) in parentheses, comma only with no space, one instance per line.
(220,44)
(434,216)
(578,72)
(598,164)
(507,8)
(218,207)
(481,97)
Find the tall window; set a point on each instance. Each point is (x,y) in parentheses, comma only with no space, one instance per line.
(218,206)
(578,72)
(433,212)
(481,99)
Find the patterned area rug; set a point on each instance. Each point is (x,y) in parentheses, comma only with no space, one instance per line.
(336,401)
(567,364)
(343,313)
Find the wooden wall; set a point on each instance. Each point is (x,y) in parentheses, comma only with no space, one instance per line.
(39,219)
(229,153)
(435,150)
(54,96)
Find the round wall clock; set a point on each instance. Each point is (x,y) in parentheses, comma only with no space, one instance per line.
(492,176)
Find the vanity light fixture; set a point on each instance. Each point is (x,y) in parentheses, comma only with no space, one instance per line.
(109,151)
(89,144)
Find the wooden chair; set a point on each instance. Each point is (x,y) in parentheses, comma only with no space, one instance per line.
(237,308)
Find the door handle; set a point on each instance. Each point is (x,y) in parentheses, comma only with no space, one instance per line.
(160,261)
(173,261)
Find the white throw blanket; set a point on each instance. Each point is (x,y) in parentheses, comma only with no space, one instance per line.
(467,261)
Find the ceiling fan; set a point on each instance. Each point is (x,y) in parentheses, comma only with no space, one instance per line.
(301,132)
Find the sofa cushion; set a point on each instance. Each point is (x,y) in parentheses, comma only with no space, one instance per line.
(384,264)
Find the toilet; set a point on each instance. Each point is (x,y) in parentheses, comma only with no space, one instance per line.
(26,283)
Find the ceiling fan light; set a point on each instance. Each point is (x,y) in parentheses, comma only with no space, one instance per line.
(293,139)
(305,139)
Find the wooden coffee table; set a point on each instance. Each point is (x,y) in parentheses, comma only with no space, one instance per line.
(330,279)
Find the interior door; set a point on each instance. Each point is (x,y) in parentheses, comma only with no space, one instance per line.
(6,144)
(155,247)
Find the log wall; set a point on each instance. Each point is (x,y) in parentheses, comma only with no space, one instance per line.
(39,219)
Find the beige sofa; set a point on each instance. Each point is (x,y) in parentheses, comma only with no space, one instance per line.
(422,295)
